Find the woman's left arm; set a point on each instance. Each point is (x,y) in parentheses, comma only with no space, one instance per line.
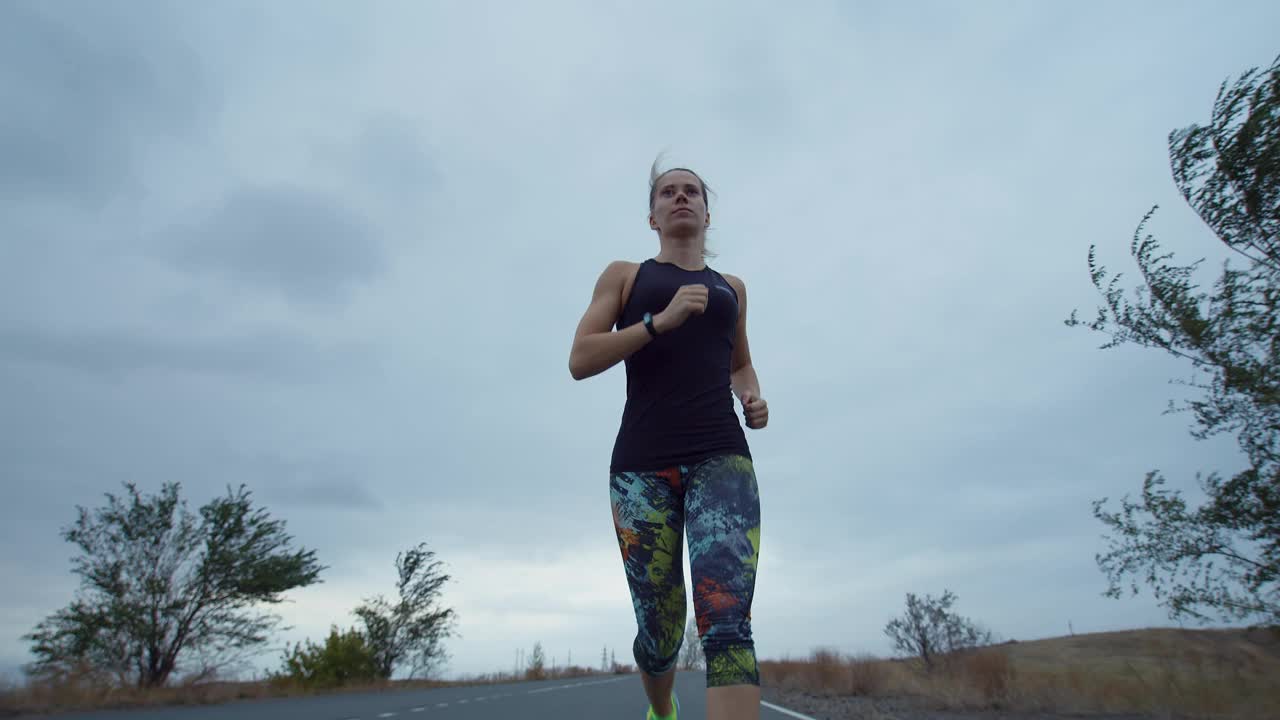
(742,376)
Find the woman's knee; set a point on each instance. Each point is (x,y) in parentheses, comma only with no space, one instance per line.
(727,644)
(657,646)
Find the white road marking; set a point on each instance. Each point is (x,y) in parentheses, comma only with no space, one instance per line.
(442,704)
(785,711)
(418,709)
(387,715)
(562,687)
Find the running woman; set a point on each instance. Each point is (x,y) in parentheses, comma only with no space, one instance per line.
(681,465)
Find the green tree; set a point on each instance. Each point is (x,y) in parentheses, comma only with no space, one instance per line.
(537,669)
(157,582)
(1220,557)
(929,630)
(345,657)
(413,629)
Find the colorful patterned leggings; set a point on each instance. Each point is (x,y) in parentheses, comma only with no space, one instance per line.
(717,504)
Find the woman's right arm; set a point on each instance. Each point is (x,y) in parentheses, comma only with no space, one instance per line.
(596,346)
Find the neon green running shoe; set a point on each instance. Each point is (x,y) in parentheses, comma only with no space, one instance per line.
(675,711)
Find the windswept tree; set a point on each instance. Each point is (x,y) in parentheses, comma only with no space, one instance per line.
(691,657)
(929,629)
(1219,556)
(158,583)
(537,668)
(410,631)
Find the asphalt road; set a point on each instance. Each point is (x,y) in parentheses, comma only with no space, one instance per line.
(605,697)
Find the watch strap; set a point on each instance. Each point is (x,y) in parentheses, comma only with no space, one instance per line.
(648,324)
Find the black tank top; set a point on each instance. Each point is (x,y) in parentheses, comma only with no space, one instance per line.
(679,402)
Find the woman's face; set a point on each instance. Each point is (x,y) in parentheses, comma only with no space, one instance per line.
(679,207)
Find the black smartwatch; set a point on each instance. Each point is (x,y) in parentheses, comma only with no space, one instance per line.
(648,324)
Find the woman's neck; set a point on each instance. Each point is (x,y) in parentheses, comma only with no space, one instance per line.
(684,252)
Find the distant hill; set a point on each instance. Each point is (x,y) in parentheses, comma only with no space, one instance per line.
(1206,652)
(1213,673)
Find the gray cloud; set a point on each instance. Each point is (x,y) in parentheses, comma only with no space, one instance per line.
(81,95)
(288,240)
(264,357)
(391,153)
(307,483)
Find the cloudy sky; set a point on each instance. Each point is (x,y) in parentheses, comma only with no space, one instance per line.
(337,252)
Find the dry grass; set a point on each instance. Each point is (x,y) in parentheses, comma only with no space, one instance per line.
(827,671)
(1187,673)
(86,692)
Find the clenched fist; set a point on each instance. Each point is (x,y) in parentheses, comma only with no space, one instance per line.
(755,410)
(688,300)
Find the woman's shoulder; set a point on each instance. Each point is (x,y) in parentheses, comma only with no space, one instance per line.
(618,276)
(620,270)
(733,280)
(622,265)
